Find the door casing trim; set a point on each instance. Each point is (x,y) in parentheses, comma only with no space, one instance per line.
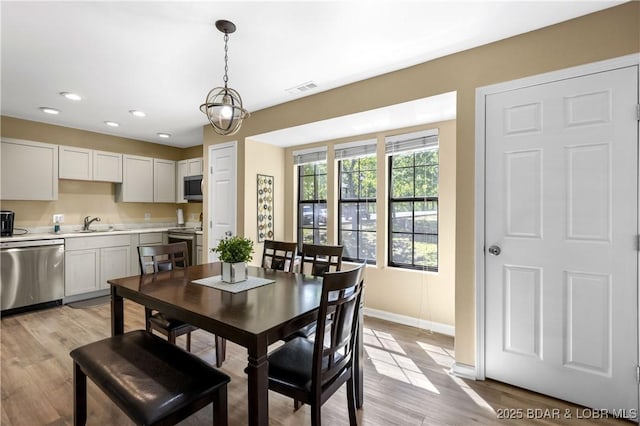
(480,145)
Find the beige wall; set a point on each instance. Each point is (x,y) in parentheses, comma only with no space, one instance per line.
(263,159)
(77,199)
(607,34)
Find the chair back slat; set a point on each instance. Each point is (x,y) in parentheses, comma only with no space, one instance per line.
(163,257)
(337,317)
(279,255)
(318,259)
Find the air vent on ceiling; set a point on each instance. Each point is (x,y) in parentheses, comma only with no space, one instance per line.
(302,88)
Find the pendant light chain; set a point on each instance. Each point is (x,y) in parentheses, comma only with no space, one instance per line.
(226,59)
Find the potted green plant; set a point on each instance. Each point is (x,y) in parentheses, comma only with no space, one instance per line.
(234,252)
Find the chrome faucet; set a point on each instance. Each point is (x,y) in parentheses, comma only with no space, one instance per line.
(88,222)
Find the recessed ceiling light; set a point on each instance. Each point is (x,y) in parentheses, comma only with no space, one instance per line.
(164,135)
(49,110)
(137,113)
(71,96)
(111,123)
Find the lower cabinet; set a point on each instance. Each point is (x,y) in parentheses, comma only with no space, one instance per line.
(91,261)
(199,252)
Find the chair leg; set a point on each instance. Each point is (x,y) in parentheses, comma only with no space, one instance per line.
(79,396)
(147,315)
(221,350)
(220,410)
(171,337)
(297,404)
(189,342)
(351,401)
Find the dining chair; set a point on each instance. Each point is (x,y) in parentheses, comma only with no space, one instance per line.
(317,259)
(167,257)
(312,371)
(280,255)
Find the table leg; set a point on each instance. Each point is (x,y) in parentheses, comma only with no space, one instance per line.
(117,313)
(258,386)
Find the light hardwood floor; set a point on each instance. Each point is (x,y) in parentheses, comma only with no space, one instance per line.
(406,379)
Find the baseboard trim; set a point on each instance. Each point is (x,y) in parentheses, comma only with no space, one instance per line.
(463,371)
(449,330)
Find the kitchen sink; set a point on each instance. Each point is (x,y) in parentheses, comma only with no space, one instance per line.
(91,231)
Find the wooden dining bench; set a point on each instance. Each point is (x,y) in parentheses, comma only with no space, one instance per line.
(151,380)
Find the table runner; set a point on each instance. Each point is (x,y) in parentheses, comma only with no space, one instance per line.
(248,284)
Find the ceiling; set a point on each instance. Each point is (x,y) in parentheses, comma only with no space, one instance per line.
(163,57)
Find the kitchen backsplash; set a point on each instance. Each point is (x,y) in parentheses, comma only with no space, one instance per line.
(77,199)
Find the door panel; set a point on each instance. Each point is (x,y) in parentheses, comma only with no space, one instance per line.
(222,195)
(562,205)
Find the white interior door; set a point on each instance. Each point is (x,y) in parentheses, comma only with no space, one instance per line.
(562,209)
(222,194)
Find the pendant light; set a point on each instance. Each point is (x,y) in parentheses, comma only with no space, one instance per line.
(223,105)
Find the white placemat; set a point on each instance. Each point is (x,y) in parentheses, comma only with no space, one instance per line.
(248,284)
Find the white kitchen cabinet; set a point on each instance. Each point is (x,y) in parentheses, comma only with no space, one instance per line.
(28,170)
(190,167)
(114,263)
(81,271)
(75,163)
(107,166)
(164,181)
(137,180)
(91,261)
(194,166)
(88,164)
(181,172)
(199,249)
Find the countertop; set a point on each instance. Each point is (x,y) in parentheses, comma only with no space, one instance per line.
(75,234)
(71,231)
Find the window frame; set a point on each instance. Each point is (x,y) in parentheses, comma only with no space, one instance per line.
(359,201)
(313,202)
(421,199)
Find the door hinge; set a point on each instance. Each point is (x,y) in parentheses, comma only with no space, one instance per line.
(637,373)
(638,242)
(638,112)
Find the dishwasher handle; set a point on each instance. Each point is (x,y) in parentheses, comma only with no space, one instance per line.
(32,243)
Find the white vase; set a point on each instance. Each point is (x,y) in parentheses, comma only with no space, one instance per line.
(234,272)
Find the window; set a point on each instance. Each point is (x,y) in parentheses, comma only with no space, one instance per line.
(357,202)
(312,198)
(413,202)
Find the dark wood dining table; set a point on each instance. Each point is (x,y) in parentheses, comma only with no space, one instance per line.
(254,318)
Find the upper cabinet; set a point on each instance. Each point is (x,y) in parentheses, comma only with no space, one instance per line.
(29,170)
(147,180)
(88,164)
(137,180)
(75,163)
(190,167)
(194,166)
(107,166)
(164,181)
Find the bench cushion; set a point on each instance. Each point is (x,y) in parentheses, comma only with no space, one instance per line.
(146,376)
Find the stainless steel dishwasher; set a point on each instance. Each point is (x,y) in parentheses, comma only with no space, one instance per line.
(32,274)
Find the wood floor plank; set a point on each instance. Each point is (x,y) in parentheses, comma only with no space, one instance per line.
(406,378)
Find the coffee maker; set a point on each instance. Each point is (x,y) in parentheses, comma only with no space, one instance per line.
(6,222)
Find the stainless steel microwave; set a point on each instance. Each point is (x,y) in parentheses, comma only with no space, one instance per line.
(193,188)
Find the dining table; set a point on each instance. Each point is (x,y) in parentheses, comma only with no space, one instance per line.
(253,318)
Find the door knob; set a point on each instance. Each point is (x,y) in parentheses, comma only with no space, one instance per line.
(494,250)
